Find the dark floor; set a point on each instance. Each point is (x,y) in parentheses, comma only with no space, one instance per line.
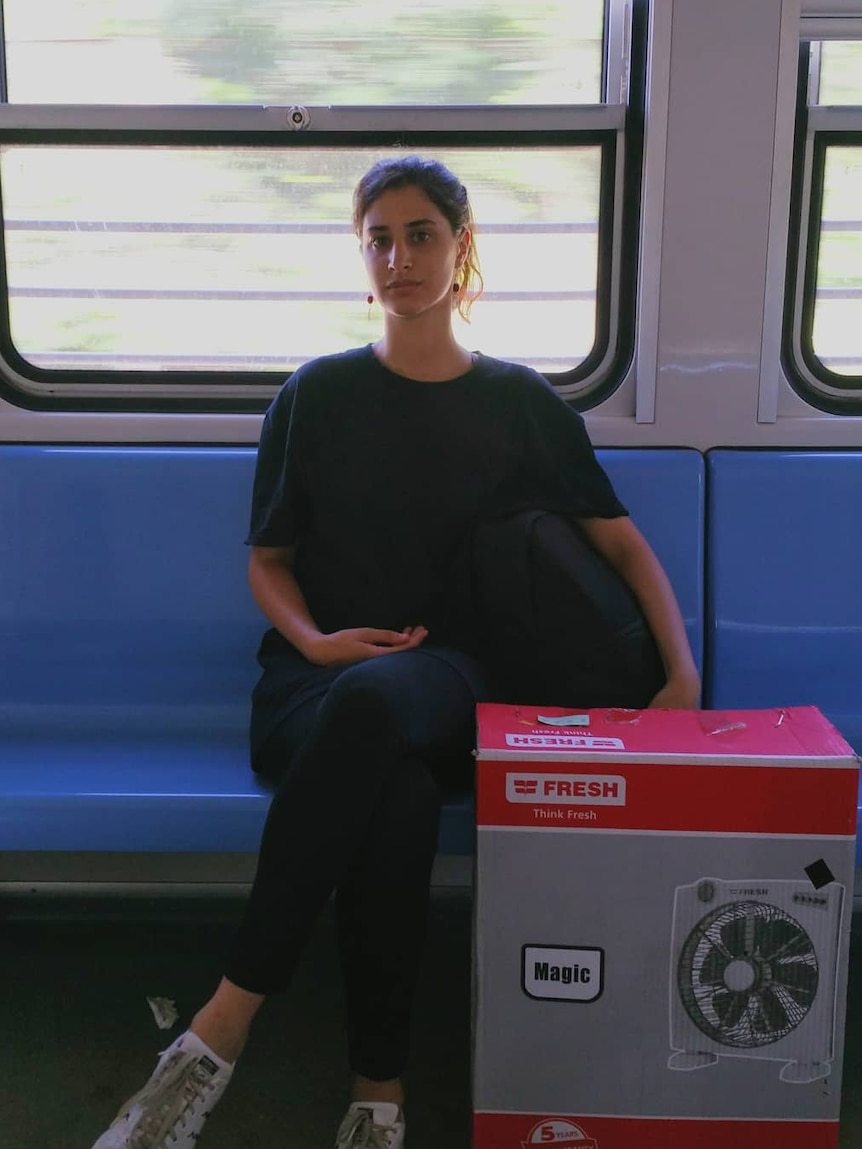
(78,1035)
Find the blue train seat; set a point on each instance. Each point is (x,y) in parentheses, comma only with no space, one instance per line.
(783,602)
(129,633)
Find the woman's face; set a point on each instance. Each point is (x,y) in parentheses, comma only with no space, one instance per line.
(411,253)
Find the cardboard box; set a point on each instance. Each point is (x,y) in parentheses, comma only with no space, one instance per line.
(662,922)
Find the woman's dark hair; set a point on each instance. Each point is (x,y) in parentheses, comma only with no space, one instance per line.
(445,191)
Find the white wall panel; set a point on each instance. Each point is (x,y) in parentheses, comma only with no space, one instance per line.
(719,167)
(725,202)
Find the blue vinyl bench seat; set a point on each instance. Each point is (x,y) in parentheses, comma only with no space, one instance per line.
(129,636)
(162,784)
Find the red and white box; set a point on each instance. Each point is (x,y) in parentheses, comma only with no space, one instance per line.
(662,925)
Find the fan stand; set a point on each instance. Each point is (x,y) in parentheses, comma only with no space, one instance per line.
(803,1072)
(685,1060)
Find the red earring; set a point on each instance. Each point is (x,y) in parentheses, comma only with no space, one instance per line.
(456,287)
(370,300)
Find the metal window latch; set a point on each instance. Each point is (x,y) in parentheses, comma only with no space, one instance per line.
(298,118)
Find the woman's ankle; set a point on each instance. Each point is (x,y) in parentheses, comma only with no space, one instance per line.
(223,1041)
(365,1089)
(224,1022)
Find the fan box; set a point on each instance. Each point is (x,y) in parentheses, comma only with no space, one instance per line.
(662,925)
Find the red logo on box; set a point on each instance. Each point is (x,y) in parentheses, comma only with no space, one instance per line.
(525,785)
(561,1134)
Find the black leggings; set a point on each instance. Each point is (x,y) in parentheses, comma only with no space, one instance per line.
(356,812)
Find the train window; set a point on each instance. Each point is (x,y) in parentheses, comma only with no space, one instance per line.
(838,73)
(823,327)
(382,53)
(176,179)
(221,288)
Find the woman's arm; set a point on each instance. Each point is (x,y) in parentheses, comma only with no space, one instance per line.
(280,597)
(630,554)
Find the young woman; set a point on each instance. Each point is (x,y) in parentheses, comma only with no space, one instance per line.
(373,465)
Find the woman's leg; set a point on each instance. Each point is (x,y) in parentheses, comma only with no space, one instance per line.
(223,1023)
(382,904)
(374,716)
(375,722)
(382,910)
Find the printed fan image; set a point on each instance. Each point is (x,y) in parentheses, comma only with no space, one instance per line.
(747,974)
(754,976)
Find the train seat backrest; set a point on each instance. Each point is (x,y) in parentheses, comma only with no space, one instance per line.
(124,576)
(123,580)
(784,549)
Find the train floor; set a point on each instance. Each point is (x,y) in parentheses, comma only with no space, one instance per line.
(78,1034)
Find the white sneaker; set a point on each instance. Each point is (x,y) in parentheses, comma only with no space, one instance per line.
(169,1112)
(371,1125)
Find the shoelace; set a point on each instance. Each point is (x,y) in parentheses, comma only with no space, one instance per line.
(364,1133)
(168,1100)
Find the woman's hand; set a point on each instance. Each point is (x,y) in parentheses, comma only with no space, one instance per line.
(630,554)
(680,692)
(343,647)
(280,597)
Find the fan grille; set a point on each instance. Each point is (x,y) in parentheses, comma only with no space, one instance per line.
(747,974)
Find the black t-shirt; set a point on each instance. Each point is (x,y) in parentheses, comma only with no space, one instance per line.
(377,479)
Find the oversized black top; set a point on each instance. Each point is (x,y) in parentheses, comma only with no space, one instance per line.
(377,479)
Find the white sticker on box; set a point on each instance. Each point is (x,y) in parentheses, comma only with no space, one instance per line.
(564,720)
(562,973)
(566,789)
(563,742)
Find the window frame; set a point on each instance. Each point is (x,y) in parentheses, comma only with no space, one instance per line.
(818,127)
(615,126)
